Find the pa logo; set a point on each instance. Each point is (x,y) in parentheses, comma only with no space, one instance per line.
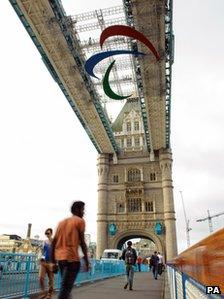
(213,290)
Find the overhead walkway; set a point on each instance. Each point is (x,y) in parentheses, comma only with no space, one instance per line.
(145,286)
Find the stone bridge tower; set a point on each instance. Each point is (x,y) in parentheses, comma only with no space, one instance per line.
(135,194)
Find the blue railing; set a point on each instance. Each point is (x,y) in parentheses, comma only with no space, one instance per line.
(183,286)
(19,274)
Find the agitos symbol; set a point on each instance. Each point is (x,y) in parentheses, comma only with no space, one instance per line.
(96,58)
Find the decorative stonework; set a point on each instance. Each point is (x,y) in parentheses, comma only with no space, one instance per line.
(122,201)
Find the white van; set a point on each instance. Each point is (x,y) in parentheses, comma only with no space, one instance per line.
(111,254)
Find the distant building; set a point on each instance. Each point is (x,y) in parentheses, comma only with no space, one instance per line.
(144,247)
(30,245)
(10,243)
(14,243)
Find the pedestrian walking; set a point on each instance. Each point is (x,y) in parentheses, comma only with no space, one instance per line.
(154,264)
(139,262)
(68,237)
(160,264)
(129,255)
(46,267)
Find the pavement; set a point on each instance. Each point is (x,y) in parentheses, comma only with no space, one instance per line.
(145,286)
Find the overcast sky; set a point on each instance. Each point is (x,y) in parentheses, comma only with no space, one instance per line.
(47,159)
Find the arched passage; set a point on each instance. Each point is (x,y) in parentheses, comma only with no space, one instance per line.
(127,235)
(125,239)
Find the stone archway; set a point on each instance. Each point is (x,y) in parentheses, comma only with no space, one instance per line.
(131,234)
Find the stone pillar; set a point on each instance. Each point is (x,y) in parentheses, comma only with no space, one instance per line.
(102,230)
(169,213)
(29,231)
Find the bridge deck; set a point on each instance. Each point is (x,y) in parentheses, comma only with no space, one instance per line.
(145,286)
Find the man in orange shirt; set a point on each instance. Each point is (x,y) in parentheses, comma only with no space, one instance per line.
(68,237)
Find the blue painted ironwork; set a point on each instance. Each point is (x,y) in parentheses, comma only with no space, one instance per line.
(197,291)
(112,229)
(169,52)
(103,117)
(158,228)
(19,274)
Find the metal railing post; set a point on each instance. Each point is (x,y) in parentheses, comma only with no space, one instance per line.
(102,270)
(111,274)
(183,285)
(175,284)
(92,270)
(26,287)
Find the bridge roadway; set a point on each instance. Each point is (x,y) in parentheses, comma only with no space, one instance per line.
(145,286)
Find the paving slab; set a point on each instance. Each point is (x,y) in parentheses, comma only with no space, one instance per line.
(145,286)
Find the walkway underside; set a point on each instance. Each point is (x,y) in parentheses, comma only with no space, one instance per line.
(56,38)
(145,286)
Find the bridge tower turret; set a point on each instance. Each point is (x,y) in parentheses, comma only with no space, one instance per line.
(103,169)
(135,194)
(165,158)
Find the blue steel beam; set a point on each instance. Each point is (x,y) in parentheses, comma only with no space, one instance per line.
(169,50)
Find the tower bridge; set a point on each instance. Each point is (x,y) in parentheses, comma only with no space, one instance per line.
(135,190)
(135,193)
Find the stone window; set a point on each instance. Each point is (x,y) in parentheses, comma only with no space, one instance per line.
(129,142)
(152,176)
(136,125)
(134,175)
(149,206)
(120,208)
(128,126)
(122,142)
(137,141)
(115,178)
(134,205)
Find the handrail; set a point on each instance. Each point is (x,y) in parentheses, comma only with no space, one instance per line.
(204,261)
(19,274)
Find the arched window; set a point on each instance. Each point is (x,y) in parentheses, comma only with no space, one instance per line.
(128,126)
(129,142)
(134,175)
(137,141)
(136,125)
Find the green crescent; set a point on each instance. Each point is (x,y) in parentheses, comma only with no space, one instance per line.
(106,86)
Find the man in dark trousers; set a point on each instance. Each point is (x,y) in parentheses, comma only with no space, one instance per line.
(129,255)
(160,264)
(69,234)
(154,261)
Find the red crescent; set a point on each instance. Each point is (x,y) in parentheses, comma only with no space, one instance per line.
(130,32)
